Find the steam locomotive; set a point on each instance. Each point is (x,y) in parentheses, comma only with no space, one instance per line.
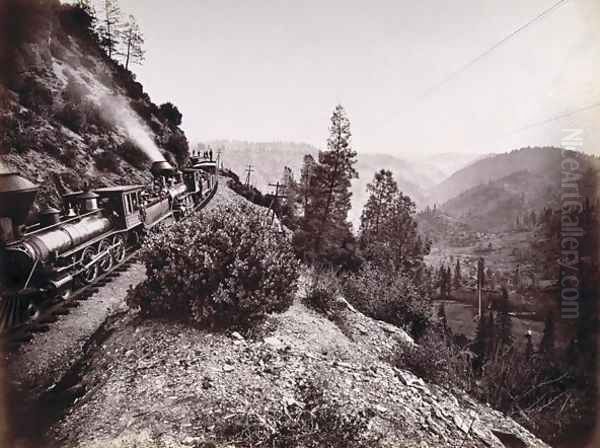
(93,233)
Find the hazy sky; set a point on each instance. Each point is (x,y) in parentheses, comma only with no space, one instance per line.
(273,70)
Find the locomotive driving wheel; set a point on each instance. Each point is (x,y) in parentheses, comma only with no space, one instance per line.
(106,261)
(90,273)
(12,313)
(119,248)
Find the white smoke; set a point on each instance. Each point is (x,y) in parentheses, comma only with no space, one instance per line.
(115,109)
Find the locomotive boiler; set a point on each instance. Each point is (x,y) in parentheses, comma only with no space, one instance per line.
(91,233)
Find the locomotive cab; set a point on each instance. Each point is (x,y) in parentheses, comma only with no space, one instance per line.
(122,204)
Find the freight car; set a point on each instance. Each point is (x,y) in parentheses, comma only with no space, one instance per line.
(91,234)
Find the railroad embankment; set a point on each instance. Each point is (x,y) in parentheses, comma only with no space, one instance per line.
(155,383)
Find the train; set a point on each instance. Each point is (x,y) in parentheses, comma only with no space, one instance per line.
(64,249)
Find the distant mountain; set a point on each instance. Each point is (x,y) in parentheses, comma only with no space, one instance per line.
(445,164)
(269,158)
(495,205)
(535,160)
(494,191)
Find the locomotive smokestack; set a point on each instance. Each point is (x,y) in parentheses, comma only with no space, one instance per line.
(162,168)
(16,198)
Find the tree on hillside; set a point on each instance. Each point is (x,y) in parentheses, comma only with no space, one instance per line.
(110,27)
(388,231)
(171,113)
(481,341)
(133,41)
(82,14)
(504,330)
(457,275)
(325,232)
(382,193)
(449,280)
(444,320)
(306,178)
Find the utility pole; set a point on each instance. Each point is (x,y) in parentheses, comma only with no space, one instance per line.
(249,172)
(219,158)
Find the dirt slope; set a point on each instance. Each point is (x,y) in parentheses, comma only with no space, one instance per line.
(155,383)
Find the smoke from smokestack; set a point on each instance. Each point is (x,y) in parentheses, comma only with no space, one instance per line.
(115,109)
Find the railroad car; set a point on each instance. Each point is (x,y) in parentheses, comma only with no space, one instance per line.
(92,233)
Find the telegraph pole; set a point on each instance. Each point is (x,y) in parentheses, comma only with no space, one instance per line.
(219,158)
(249,172)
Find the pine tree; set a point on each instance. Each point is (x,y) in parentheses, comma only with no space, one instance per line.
(109,29)
(306,179)
(442,282)
(504,330)
(444,320)
(325,230)
(84,14)
(388,230)
(449,281)
(457,275)
(480,344)
(406,250)
(133,41)
(547,342)
(382,193)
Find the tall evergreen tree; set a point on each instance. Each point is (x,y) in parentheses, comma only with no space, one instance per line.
(376,212)
(306,179)
(326,233)
(443,282)
(457,275)
(504,330)
(133,43)
(444,320)
(449,281)
(110,27)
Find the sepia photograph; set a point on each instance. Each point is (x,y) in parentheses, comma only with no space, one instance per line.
(299,224)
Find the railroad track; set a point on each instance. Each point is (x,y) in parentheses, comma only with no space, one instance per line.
(51,310)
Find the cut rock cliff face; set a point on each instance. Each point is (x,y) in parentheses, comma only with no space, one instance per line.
(69,115)
(155,382)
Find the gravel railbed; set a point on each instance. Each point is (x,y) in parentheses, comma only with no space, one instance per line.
(41,362)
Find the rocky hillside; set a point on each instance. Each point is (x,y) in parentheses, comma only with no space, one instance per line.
(151,383)
(68,113)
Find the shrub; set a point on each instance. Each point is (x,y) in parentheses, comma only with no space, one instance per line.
(438,361)
(108,161)
(314,421)
(133,155)
(35,96)
(224,268)
(390,297)
(171,114)
(69,157)
(321,294)
(72,116)
(177,144)
(322,291)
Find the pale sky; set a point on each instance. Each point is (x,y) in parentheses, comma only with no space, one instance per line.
(273,70)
